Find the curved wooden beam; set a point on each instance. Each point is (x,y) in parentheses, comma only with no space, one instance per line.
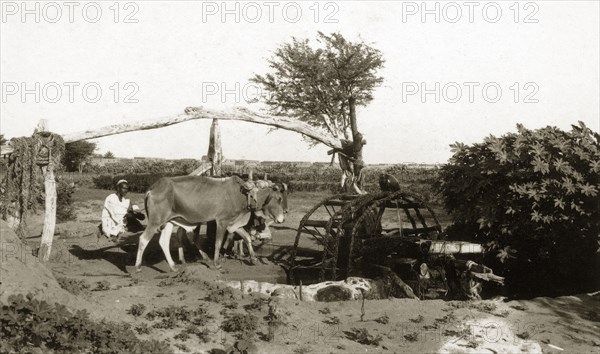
(192,113)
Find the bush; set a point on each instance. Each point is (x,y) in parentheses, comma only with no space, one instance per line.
(172,315)
(220,295)
(27,324)
(140,166)
(65,210)
(138,183)
(136,310)
(533,197)
(74,286)
(245,325)
(362,336)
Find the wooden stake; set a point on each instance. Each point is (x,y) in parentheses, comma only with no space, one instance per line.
(215,153)
(362,307)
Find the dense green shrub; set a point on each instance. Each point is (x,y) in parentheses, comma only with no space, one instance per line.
(301,179)
(138,183)
(243,325)
(28,325)
(137,166)
(74,286)
(65,210)
(533,196)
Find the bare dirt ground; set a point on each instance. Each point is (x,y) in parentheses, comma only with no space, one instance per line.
(550,325)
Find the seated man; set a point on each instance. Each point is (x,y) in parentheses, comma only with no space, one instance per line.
(118,215)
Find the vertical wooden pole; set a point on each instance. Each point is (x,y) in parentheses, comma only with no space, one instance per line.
(49,213)
(215,153)
(50,205)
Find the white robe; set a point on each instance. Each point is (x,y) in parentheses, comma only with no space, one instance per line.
(113,214)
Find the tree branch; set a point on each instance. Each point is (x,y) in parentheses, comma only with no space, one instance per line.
(192,113)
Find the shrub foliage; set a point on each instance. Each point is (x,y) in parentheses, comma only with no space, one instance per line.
(533,196)
(65,210)
(27,324)
(138,182)
(299,179)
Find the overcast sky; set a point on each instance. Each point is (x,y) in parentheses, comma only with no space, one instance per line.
(160,57)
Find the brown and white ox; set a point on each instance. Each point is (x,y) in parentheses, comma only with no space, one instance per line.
(189,201)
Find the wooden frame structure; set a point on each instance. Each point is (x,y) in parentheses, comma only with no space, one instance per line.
(190,113)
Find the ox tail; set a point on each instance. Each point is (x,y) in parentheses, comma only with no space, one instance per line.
(146,204)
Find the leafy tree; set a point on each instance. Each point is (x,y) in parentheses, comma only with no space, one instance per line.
(534,197)
(76,154)
(109,155)
(2,139)
(322,86)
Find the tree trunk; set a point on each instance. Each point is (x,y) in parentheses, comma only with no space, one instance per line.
(356,181)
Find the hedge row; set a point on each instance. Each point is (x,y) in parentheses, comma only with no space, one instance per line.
(171,167)
(318,174)
(138,183)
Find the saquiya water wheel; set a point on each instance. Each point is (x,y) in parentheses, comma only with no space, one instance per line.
(341,224)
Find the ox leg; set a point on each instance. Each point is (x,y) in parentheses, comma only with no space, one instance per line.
(218,243)
(227,242)
(240,246)
(144,239)
(248,240)
(181,234)
(165,238)
(196,237)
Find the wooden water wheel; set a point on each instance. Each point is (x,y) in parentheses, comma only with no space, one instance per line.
(340,225)
(321,223)
(408,217)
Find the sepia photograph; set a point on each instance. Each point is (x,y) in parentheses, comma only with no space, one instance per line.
(244,177)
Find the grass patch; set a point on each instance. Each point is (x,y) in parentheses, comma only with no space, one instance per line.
(102,286)
(417,319)
(243,326)
(136,310)
(172,316)
(362,336)
(220,295)
(332,321)
(383,319)
(74,286)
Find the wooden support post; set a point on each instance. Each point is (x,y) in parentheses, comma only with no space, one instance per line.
(50,205)
(215,153)
(49,213)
